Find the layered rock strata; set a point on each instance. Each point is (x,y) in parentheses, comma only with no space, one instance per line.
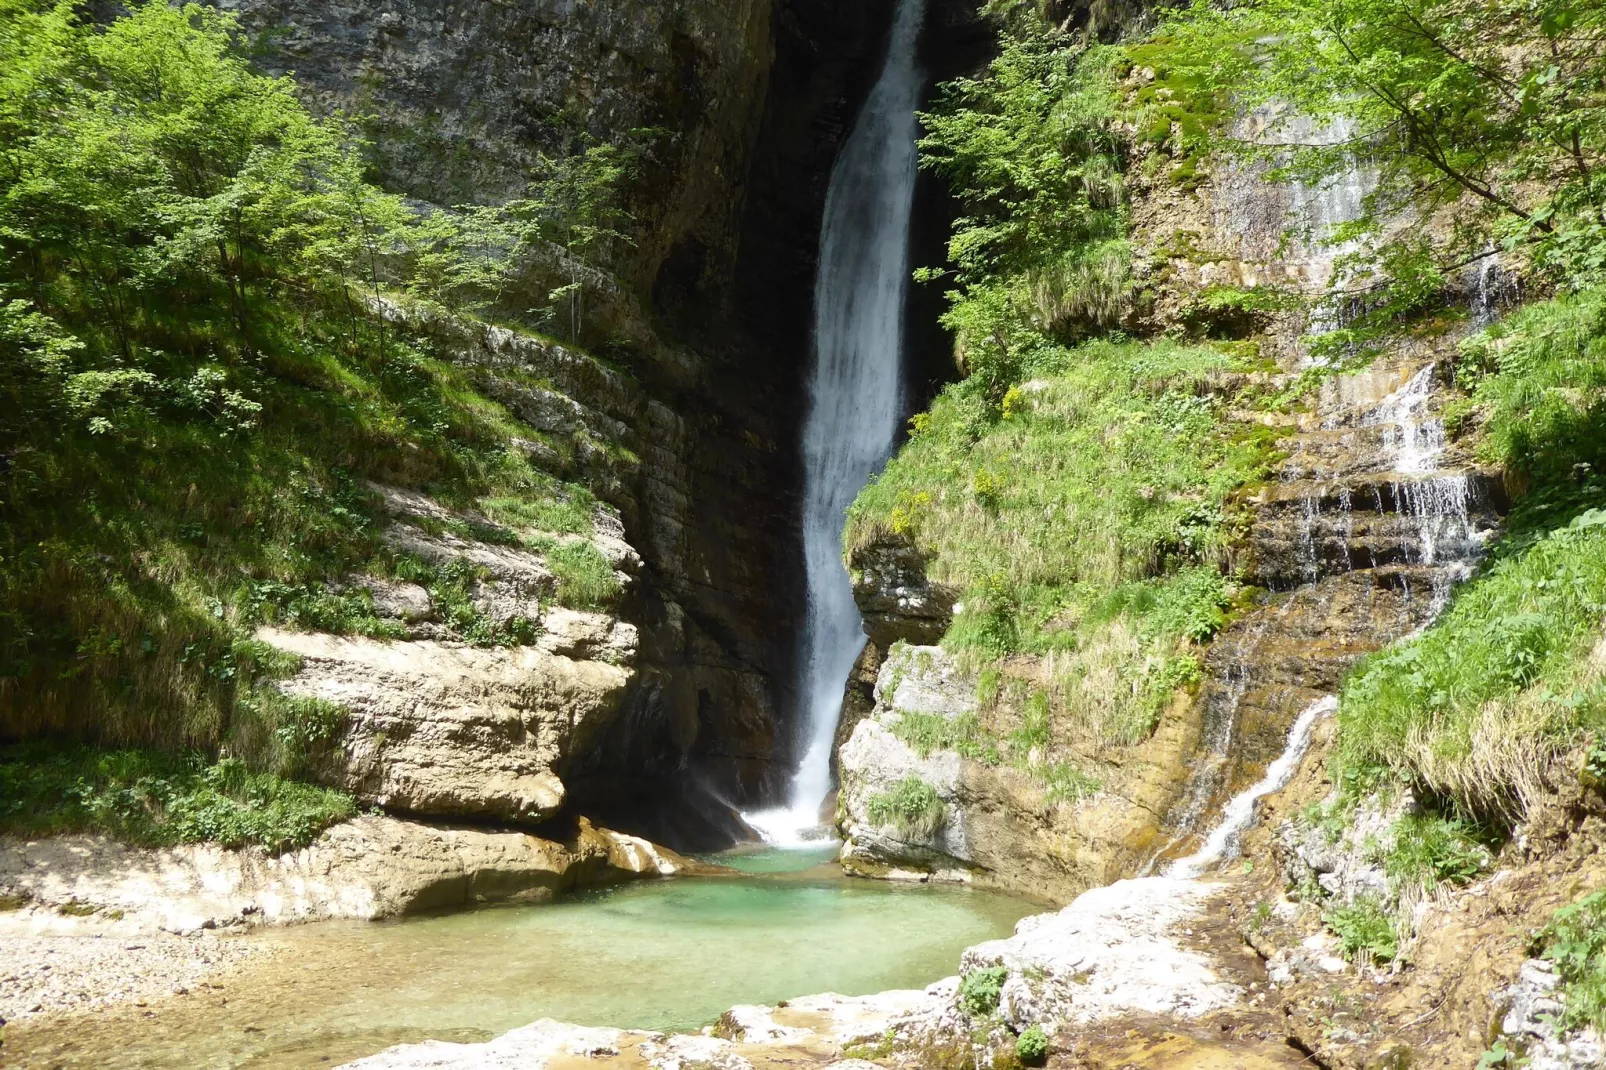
(689,430)
(368,868)
(998,826)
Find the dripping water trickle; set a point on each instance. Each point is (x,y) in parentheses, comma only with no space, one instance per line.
(855,398)
(1222,843)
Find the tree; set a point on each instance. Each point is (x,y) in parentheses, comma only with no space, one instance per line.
(1487,116)
(1041,251)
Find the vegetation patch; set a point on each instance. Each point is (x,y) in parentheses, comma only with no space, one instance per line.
(912,807)
(927,733)
(1365,931)
(585,578)
(980,989)
(1429,850)
(158,799)
(1475,708)
(1031,1047)
(1084,520)
(1575,940)
(199,385)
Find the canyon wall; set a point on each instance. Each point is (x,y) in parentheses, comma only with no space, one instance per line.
(704,317)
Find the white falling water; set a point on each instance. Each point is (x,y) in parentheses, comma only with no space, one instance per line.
(1415,438)
(1239,814)
(1438,505)
(855,396)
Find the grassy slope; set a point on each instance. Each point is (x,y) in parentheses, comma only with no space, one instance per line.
(1474,708)
(1082,520)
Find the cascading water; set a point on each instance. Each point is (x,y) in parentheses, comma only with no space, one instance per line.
(1222,843)
(855,395)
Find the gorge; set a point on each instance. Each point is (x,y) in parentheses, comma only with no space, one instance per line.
(746,534)
(855,391)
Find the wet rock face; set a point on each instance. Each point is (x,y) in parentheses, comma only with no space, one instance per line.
(709,310)
(998,826)
(1369,524)
(895,597)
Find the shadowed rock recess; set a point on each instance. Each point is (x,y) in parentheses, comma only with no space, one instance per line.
(676,711)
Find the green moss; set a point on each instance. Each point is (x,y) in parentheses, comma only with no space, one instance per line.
(882,1048)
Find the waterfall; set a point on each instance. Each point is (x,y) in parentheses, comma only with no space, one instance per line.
(855,395)
(1239,814)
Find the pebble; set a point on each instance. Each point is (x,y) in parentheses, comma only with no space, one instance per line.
(45,974)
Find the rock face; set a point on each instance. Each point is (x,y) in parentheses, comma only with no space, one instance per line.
(895,597)
(999,826)
(368,868)
(466,96)
(449,730)
(708,309)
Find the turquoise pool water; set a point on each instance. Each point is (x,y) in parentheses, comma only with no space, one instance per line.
(659,955)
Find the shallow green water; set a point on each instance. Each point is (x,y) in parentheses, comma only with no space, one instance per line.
(661,955)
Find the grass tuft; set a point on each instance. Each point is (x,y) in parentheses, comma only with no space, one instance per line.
(913,807)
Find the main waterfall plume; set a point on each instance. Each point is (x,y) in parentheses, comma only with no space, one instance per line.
(855,393)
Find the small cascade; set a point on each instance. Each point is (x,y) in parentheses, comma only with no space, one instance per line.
(1494,289)
(1222,844)
(855,398)
(1222,697)
(1373,520)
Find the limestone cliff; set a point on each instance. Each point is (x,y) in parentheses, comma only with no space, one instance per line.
(1352,535)
(688,433)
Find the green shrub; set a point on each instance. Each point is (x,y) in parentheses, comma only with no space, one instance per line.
(980,989)
(1364,931)
(1031,1047)
(913,807)
(203,394)
(1575,940)
(315,607)
(1430,849)
(150,798)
